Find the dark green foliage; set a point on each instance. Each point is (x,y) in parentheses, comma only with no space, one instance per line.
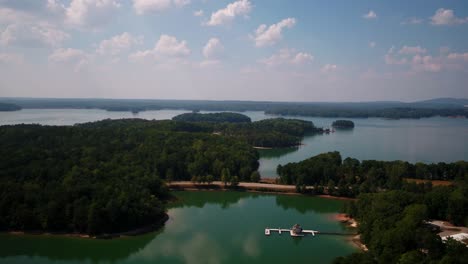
(105,177)
(343,124)
(392,225)
(276,132)
(224,117)
(9,107)
(351,177)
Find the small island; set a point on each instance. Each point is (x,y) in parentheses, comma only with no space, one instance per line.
(343,124)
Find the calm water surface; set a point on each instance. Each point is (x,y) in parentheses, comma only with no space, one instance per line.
(415,140)
(204,227)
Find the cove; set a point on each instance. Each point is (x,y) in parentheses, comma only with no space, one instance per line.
(204,227)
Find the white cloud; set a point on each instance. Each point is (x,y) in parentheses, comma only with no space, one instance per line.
(425,63)
(166,47)
(412,50)
(209,63)
(370,15)
(446,17)
(32,35)
(268,36)
(73,57)
(227,14)
(11,58)
(412,21)
(372,44)
(198,13)
(170,46)
(287,57)
(148,6)
(90,13)
(213,48)
(181,3)
(329,68)
(118,44)
(458,56)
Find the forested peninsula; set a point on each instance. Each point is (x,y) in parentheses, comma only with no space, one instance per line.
(105,177)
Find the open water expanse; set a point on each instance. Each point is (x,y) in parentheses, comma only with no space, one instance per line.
(203,228)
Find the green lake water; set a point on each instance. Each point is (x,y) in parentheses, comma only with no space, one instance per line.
(204,227)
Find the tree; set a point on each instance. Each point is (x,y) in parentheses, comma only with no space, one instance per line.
(255,176)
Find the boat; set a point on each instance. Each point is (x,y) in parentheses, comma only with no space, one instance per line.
(267,232)
(296,231)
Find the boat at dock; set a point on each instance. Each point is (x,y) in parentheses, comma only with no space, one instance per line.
(295,231)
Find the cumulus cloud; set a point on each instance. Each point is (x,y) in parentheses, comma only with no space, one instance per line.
(90,13)
(458,56)
(328,68)
(412,21)
(287,57)
(412,50)
(73,57)
(370,15)
(227,14)
(117,44)
(149,6)
(170,46)
(32,35)
(446,17)
(166,47)
(265,36)
(415,59)
(213,48)
(198,13)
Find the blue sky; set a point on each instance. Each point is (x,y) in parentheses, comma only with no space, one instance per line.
(274,50)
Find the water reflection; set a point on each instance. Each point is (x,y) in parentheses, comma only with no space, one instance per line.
(72,249)
(275,153)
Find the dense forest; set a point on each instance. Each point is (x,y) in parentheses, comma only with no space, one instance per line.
(9,107)
(270,133)
(352,176)
(435,107)
(275,132)
(343,124)
(393,226)
(106,176)
(224,117)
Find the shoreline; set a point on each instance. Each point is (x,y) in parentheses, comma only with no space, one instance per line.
(350,222)
(134,232)
(259,187)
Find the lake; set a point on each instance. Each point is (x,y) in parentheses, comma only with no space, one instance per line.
(204,227)
(426,140)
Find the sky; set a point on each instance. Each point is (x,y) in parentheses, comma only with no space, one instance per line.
(267,50)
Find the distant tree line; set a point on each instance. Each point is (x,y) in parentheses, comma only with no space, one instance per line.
(106,176)
(393,110)
(390,113)
(9,107)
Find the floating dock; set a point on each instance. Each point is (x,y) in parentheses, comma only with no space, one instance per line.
(268,231)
